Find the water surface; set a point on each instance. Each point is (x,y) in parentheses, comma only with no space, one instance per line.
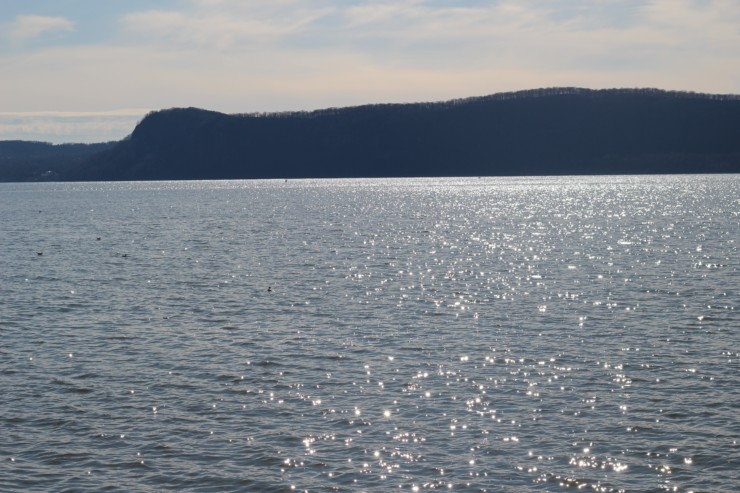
(496,334)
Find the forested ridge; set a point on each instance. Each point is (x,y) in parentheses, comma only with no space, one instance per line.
(40,161)
(537,132)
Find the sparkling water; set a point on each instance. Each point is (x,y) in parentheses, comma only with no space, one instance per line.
(494,334)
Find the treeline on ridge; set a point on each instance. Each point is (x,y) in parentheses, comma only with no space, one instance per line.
(40,161)
(538,132)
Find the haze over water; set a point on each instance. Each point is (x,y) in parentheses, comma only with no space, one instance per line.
(496,334)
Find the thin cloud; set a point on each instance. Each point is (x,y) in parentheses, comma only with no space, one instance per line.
(126,112)
(697,22)
(222,25)
(61,127)
(422,34)
(28,27)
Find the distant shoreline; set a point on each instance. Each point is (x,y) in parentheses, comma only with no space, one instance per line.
(545,132)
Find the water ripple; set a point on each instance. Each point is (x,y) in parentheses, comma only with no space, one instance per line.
(537,334)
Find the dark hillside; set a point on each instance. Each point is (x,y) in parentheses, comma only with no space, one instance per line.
(40,161)
(539,132)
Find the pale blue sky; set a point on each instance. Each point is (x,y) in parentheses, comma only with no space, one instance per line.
(88,70)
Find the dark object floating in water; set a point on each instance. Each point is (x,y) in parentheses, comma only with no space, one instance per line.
(39,253)
(269,289)
(97,239)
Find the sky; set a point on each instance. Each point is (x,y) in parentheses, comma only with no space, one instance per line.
(89,70)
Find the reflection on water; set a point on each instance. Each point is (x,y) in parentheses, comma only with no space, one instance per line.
(534,334)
